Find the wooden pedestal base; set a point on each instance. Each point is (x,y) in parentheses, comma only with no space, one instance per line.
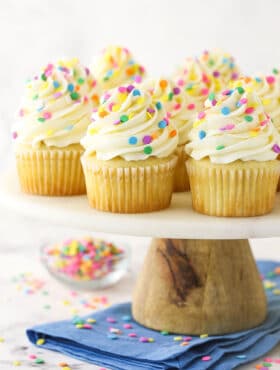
(199,287)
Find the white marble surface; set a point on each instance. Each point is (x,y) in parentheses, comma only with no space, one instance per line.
(19,253)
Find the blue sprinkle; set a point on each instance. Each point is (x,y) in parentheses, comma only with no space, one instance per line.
(241,357)
(109,73)
(112,336)
(258,79)
(162,124)
(70,87)
(126,318)
(132,140)
(40,108)
(131,62)
(56,84)
(225,110)
(158,105)
(231,65)
(201,134)
(69,127)
(136,92)
(238,104)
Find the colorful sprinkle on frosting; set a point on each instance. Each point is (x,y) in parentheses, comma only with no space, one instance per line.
(130,126)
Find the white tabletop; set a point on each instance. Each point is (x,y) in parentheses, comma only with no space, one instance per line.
(19,251)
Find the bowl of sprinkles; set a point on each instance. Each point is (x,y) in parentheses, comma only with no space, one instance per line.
(86,263)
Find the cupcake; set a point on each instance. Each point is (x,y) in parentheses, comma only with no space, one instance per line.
(129,159)
(54,116)
(182,104)
(220,66)
(234,145)
(116,66)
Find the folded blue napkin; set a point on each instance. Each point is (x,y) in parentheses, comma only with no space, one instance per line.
(110,343)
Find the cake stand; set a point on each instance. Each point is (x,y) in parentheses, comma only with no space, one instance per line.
(199,276)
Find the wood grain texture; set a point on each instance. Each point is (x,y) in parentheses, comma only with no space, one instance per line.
(199,286)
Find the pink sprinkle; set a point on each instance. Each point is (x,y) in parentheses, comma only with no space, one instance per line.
(132,335)
(249,110)
(226,92)
(168,114)
(201,115)
(243,101)
(127,326)
(230,126)
(191,106)
(73,293)
(177,106)
(268,359)
(180,82)
(14,135)
(32,357)
(138,79)
(204,91)
(214,102)
(57,95)
(276,148)
(87,326)
(110,106)
(263,123)
(270,79)
(122,89)
(21,113)
(47,115)
(277,361)
(111,320)
(187,339)
(143,340)
(206,358)
(117,122)
(85,99)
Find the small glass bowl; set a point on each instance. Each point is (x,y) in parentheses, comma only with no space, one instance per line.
(109,273)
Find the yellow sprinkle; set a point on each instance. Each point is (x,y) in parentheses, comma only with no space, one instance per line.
(276,291)
(66,303)
(116,107)
(65,368)
(44,85)
(254,133)
(202,336)
(269,284)
(79,326)
(91,321)
(164,98)
(92,131)
(266,101)
(151,340)
(177,339)
(16,363)
(49,132)
(74,311)
(248,89)
(197,123)
(148,115)
(140,100)
(131,115)
(2,340)
(40,341)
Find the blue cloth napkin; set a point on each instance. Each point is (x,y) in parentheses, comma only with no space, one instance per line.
(121,352)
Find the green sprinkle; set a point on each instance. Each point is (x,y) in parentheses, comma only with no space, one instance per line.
(41,119)
(164,332)
(271,274)
(248,118)
(35,97)
(189,87)
(170,96)
(240,90)
(266,364)
(80,80)
(211,62)
(211,96)
(47,307)
(220,147)
(124,118)
(148,150)
(43,77)
(275,71)
(39,361)
(74,95)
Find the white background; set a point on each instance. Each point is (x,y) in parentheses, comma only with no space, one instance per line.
(160,33)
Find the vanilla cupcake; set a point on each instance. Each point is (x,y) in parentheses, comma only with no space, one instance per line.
(129,159)
(234,146)
(54,116)
(220,66)
(182,104)
(116,66)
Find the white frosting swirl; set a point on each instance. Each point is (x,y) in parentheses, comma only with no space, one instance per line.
(181,102)
(116,66)
(57,106)
(129,125)
(234,127)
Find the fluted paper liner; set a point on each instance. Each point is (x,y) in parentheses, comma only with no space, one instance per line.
(51,171)
(238,189)
(129,187)
(181,178)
